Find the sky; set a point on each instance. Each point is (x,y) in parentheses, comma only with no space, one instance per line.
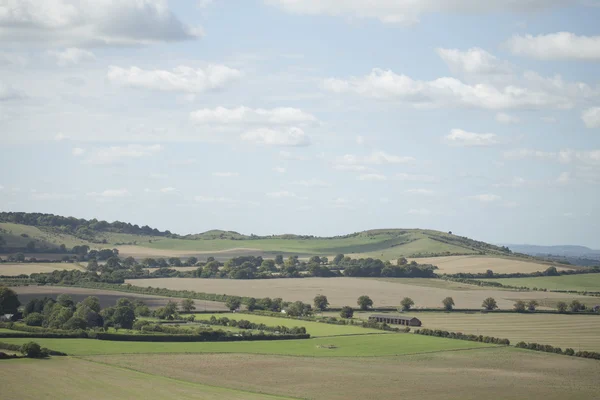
(319,117)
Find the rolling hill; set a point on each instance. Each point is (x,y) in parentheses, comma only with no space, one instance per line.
(48,232)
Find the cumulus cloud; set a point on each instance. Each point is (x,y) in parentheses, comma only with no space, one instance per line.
(91,22)
(246,115)
(282,194)
(564,156)
(167,190)
(591,117)
(293,136)
(459,137)
(312,183)
(556,46)
(407,12)
(474,61)
(113,154)
(504,118)
(377,157)
(12,59)
(71,56)
(111,193)
(371,177)
(279,170)
(77,151)
(426,192)
(486,198)
(563,178)
(181,79)
(450,92)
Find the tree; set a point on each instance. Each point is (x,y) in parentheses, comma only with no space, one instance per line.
(315,259)
(92,302)
(532,305)
(142,311)
(192,261)
(561,306)
(551,271)
(407,303)
(347,312)
(519,306)
(30,247)
(489,304)
(233,303)
(321,303)
(364,302)
(489,273)
(175,262)
(59,316)
(32,350)
(337,259)
(251,304)
(9,301)
(19,257)
(448,303)
(123,317)
(75,323)
(279,259)
(187,305)
(268,266)
(34,319)
(324,260)
(401,261)
(576,306)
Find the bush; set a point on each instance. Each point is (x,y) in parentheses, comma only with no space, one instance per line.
(34,319)
(32,350)
(347,312)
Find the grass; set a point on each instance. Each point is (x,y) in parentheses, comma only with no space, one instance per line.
(7,269)
(345,291)
(490,373)
(315,329)
(71,378)
(583,282)
(345,346)
(579,332)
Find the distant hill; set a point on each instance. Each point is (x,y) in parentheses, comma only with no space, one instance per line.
(48,232)
(572,254)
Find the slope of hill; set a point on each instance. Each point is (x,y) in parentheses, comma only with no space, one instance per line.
(54,231)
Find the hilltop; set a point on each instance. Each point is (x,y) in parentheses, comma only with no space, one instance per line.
(35,232)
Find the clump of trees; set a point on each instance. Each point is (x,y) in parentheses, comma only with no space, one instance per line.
(557,350)
(9,301)
(462,336)
(347,312)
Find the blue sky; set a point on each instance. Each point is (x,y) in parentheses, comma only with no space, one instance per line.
(305,116)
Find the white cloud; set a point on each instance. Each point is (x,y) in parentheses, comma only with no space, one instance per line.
(279,170)
(459,137)
(349,167)
(168,190)
(342,203)
(293,136)
(71,56)
(549,120)
(419,211)
(486,198)
(226,174)
(563,178)
(246,115)
(312,183)
(111,193)
(451,92)
(407,12)
(91,22)
(371,177)
(504,118)
(591,117)
(360,140)
(556,46)
(8,93)
(474,61)
(518,154)
(52,196)
(181,79)
(563,156)
(426,192)
(281,194)
(376,157)
(77,151)
(211,199)
(1,187)
(60,137)
(108,155)
(416,178)
(516,182)
(12,59)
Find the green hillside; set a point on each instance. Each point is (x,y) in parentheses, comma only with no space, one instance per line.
(48,232)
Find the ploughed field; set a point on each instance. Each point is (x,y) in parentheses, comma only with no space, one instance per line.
(345,291)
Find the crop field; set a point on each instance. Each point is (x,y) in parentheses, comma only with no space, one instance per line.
(583,282)
(72,378)
(107,297)
(489,373)
(579,332)
(315,329)
(345,291)
(380,344)
(480,264)
(8,269)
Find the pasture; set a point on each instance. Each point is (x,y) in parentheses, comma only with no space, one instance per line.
(10,269)
(480,264)
(345,291)
(582,282)
(107,297)
(487,373)
(380,344)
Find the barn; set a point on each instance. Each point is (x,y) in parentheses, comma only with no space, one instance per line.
(395,319)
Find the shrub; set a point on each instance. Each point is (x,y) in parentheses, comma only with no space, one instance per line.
(34,319)
(347,312)
(32,350)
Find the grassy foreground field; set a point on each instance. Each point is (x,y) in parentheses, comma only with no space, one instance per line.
(579,332)
(381,344)
(345,291)
(583,282)
(491,373)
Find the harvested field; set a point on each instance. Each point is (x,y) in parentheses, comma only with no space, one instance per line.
(583,282)
(493,373)
(345,291)
(72,378)
(579,332)
(107,297)
(371,345)
(142,252)
(476,264)
(7,269)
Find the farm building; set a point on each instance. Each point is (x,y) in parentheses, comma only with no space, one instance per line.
(395,319)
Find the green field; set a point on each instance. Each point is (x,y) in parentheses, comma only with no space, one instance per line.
(315,329)
(346,346)
(582,282)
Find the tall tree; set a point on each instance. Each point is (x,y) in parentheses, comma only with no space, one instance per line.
(448,303)
(347,312)
(407,303)
(9,301)
(187,305)
(321,303)
(489,304)
(364,302)
(233,303)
